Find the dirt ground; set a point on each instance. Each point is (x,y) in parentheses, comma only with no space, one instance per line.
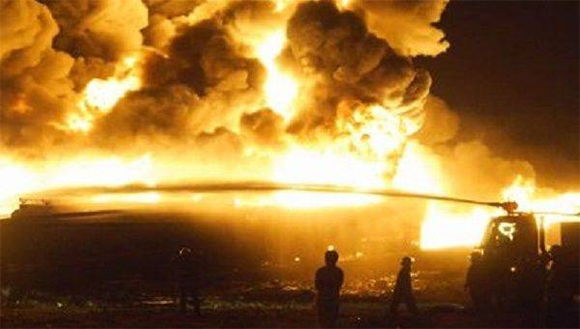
(360,315)
(280,305)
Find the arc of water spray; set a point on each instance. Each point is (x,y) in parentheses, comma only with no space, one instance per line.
(509,206)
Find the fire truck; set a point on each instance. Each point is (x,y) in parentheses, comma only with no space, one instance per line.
(32,210)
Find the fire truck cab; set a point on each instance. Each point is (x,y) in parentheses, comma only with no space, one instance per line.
(513,260)
(32,209)
(517,233)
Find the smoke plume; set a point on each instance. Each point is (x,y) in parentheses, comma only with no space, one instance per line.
(416,18)
(33,75)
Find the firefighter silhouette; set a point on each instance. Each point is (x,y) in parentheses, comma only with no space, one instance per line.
(403,292)
(188,277)
(559,288)
(328,282)
(477,282)
(498,268)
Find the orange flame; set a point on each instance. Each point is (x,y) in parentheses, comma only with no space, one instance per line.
(101,95)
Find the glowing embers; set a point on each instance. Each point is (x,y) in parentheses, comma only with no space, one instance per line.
(280,88)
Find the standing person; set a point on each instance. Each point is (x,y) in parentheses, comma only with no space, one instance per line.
(188,280)
(559,290)
(328,282)
(403,292)
(477,283)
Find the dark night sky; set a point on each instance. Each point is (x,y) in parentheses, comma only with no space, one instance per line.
(512,75)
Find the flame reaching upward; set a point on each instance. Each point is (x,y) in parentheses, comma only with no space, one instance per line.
(101,95)
(532,199)
(16,180)
(326,167)
(20,179)
(277,81)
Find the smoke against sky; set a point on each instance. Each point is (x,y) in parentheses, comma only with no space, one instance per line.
(512,74)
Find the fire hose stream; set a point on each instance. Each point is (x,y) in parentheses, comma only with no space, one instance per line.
(509,206)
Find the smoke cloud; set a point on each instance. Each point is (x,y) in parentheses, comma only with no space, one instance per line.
(440,124)
(357,80)
(33,75)
(406,25)
(105,29)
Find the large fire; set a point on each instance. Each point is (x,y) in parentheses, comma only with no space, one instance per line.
(20,179)
(280,88)
(101,95)
(371,144)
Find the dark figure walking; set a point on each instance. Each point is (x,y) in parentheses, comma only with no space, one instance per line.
(477,283)
(403,292)
(328,282)
(188,280)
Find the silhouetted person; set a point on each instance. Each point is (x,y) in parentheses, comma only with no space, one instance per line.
(188,280)
(528,283)
(499,267)
(559,289)
(403,292)
(477,282)
(328,282)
